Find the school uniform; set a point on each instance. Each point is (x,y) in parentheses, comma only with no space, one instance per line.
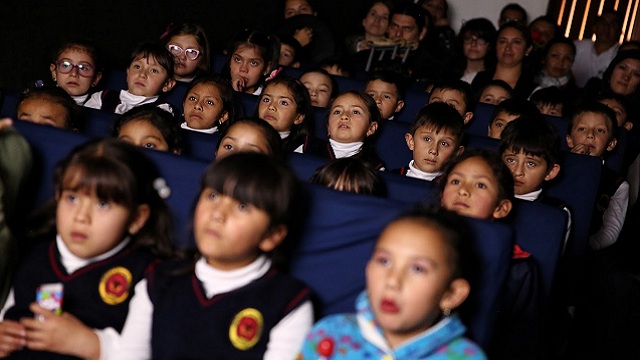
(211,130)
(123,101)
(412,171)
(358,150)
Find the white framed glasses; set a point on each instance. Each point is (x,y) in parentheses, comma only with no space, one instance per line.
(176,50)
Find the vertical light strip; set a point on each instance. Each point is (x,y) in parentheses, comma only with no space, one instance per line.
(633,20)
(561,13)
(601,7)
(625,23)
(573,8)
(615,7)
(584,19)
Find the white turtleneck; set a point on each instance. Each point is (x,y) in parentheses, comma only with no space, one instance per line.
(343,150)
(414,172)
(210,130)
(127,101)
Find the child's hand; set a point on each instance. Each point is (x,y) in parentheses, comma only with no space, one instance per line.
(63,334)
(582,149)
(304,36)
(5,123)
(13,337)
(238,83)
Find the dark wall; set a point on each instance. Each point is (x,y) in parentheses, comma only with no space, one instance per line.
(30,30)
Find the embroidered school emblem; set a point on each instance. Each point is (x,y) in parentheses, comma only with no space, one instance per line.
(246,329)
(114,285)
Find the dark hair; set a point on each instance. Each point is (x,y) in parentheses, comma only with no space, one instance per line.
(390,77)
(629,45)
(334,83)
(600,109)
(287,39)
(58,96)
(533,137)
(621,56)
(158,52)
(460,86)
(267,46)
(559,40)
(87,46)
(370,104)
(227,95)
(201,38)
(350,174)
(493,159)
(441,117)
(614,12)
(345,64)
(270,134)
(526,34)
(551,95)
(548,20)
(418,13)
(516,7)
(515,106)
(120,172)
(499,83)
(162,120)
(620,99)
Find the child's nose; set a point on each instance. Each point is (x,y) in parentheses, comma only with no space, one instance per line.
(393,279)
(463,191)
(82,213)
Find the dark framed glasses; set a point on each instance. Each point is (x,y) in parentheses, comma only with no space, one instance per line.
(66,66)
(176,50)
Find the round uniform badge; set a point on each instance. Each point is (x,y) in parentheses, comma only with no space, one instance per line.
(114,285)
(246,329)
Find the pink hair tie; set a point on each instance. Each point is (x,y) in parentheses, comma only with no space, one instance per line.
(273,74)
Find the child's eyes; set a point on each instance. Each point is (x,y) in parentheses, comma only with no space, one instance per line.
(601,131)
(103,204)
(209,102)
(426,139)
(192,98)
(284,103)
(419,269)
(510,160)
(136,66)
(382,260)
(499,125)
(481,186)
(236,59)
(336,112)
(531,164)
(149,146)
(155,71)
(254,63)
(388,97)
(356,112)
(228,147)
(243,207)
(580,129)
(444,143)
(266,100)
(213,195)
(71,197)
(454,182)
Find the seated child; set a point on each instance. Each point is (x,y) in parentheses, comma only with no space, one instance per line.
(208,104)
(507,111)
(353,117)
(387,89)
(76,69)
(150,127)
(620,105)
(230,300)
(495,92)
(289,51)
(250,135)
(251,57)
(48,106)
(550,101)
(189,46)
(416,278)
(351,175)
(592,132)
(150,74)
(456,93)
(285,105)
(435,137)
(321,86)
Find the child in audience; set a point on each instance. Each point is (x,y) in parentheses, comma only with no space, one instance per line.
(233,301)
(250,135)
(285,105)
(110,224)
(48,106)
(251,57)
(351,175)
(353,118)
(435,137)
(150,74)
(289,51)
(321,86)
(387,89)
(150,127)
(550,101)
(592,132)
(416,277)
(507,111)
(208,104)
(189,46)
(620,105)
(495,92)
(457,94)
(76,69)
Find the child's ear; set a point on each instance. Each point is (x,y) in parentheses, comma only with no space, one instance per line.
(139,218)
(52,68)
(467,117)
(569,142)
(168,85)
(399,106)
(273,238)
(628,125)
(460,150)
(372,128)
(295,65)
(409,139)
(503,209)
(96,78)
(455,295)
(555,170)
(612,144)
(224,117)
(299,119)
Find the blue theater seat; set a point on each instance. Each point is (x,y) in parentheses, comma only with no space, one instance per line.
(200,145)
(97,123)
(9,103)
(413,102)
(391,145)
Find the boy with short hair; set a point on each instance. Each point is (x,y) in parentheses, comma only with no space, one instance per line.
(507,111)
(550,101)
(435,138)
(592,131)
(387,89)
(457,94)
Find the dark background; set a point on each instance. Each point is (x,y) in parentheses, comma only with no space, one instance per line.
(31,30)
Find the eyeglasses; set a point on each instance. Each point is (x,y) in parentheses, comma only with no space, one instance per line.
(65,67)
(176,50)
(468,40)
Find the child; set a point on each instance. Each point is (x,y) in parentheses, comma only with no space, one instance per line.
(387,89)
(76,69)
(416,276)
(289,51)
(189,46)
(592,132)
(550,101)
(231,302)
(285,105)
(48,106)
(507,111)
(111,224)
(252,55)
(495,92)
(353,118)
(150,127)
(321,86)
(351,175)
(208,104)
(435,137)
(150,73)
(250,135)
(457,94)
(620,105)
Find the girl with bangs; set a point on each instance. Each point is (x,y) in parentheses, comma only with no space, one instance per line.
(110,224)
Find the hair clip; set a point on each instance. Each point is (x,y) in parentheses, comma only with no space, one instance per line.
(164,191)
(273,74)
